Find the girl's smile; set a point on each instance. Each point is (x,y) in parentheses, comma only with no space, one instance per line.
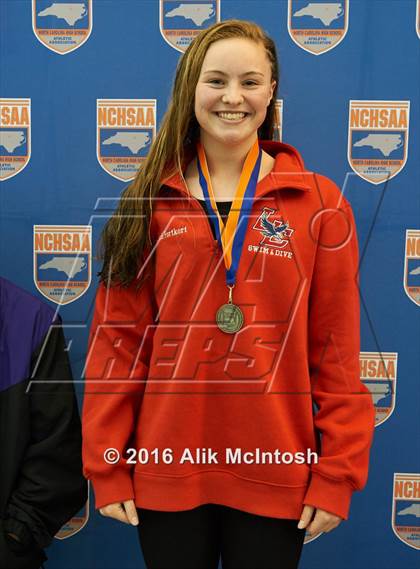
(232,117)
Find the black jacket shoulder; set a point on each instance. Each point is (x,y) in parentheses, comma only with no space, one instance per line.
(41,480)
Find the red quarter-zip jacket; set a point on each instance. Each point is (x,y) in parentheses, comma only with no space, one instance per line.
(226,418)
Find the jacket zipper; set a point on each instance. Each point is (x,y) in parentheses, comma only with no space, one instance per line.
(209,229)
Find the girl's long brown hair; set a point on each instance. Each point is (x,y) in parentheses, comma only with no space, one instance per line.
(127,233)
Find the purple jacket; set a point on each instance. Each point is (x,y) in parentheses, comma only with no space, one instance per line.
(41,481)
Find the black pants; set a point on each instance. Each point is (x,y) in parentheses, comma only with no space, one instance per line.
(195,539)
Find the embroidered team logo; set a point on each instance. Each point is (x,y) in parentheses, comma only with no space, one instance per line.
(317,26)
(125,130)
(62,25)
(378,138)
(378,371)
(181,21)
(275,235)
(15,136)
(62,261)
(77,522)
(278,120)
(406,508)
(412,265)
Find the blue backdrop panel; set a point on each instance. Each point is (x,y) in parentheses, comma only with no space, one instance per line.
(63,164)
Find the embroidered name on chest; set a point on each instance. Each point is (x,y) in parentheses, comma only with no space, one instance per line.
(174,231)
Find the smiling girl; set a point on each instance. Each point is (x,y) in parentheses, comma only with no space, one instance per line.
(227,311)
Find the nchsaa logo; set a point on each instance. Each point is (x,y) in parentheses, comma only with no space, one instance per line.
(62,26)
(309,537)
(62,261)
(378,371)
(125,129)
(378,138)
(181,22)
(77,522)
(412,265)
(15,136)
(317,26)
(406,508)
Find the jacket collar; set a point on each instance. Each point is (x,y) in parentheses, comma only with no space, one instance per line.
(288,170)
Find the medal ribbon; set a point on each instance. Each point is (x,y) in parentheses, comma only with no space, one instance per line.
(231,237)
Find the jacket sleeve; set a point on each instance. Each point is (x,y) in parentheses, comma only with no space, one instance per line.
(345,412)
(16,554)
(51,487)
(119,348)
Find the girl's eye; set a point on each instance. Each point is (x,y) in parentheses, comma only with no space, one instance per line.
(248,83)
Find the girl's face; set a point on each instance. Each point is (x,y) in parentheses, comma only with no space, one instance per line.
(235,78)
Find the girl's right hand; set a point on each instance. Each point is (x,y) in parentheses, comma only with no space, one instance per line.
(123,512)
